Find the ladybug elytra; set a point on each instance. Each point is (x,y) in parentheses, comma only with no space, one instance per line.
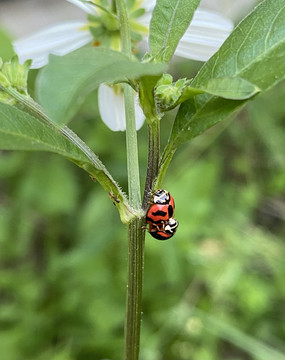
(162,207)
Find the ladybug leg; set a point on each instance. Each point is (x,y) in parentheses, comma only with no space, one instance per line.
(152,227)
(160,226)
(147,227)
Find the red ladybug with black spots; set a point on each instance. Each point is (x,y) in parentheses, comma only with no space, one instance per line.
(161,208)
(161,224)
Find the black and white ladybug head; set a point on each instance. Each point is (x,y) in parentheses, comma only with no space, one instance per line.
(171,226)
(161,196)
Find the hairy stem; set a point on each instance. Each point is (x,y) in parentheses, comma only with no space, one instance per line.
(153,160)
(132,149)
(135,226)
(134,290)
(124,28)
(131,134)
(164,164)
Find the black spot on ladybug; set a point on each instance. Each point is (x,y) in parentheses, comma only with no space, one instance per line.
(159,213)
(170,211)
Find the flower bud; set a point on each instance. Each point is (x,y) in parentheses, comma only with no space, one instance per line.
(168,93)
(3,79)
(15,75)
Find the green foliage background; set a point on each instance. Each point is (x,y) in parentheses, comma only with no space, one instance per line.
(215,291)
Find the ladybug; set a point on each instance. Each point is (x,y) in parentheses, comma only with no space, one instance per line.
(161,208)
(163,230)
(159,217)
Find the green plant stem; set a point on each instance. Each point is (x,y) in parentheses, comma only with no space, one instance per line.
(135,227)
(132,149)
(164,164)
(124,28)
(153,159)
(131,134)
(136,236)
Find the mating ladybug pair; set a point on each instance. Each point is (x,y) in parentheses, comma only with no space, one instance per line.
(161,224)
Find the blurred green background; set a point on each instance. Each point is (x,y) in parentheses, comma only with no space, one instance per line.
(213,292)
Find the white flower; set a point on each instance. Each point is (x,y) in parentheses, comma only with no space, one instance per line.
(112,109)
(202,39)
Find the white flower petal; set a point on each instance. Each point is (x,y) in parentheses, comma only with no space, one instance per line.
(140,117)
(89,9)
(148,5)
(145,18)
(59,40)
(206,33)
(203,17)
(112,109)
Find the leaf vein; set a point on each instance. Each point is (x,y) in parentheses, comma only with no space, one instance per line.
(242,44)
(171,22)
(271,25)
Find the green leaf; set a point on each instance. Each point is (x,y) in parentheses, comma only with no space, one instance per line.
(21,131)
(147,86)
(254,52)
(170,20)
(225,87)
(65,82)
(189,93)
(230,88)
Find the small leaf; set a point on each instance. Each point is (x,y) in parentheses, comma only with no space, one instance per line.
(188,93)
(226,87)
(170,20)
(254,52)
(65,82)
(230,88)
